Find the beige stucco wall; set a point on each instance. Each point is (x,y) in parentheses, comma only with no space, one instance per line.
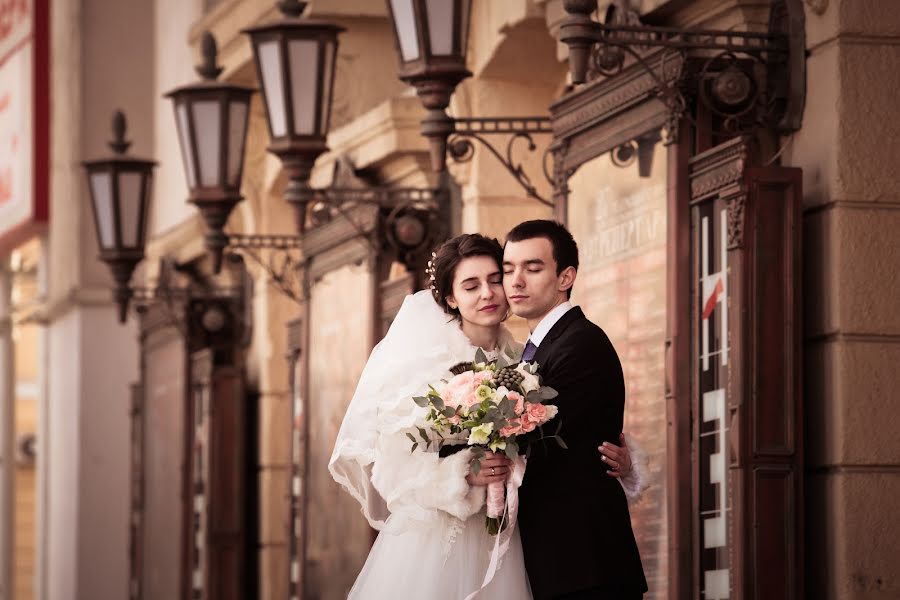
(848,149)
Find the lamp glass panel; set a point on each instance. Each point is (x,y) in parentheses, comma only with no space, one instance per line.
(405,22)
(184,139)
(303,57)
(101,193)
(440,26)
(130,201)
(330,48)
(270,65)
(237,135)
(208,135)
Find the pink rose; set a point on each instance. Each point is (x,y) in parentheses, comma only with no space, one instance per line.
(463,380)
(482,376)
(527,424)
(537,413)
(448,398)
(512,429)
(471,399)
(518,402)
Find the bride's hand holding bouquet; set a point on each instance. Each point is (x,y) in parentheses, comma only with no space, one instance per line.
(491,406)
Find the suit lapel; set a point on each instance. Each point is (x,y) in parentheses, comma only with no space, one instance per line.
(545,350)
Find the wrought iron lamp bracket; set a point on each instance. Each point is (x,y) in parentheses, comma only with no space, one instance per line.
(168,294)
(461,148)
(283,255)
(748,80)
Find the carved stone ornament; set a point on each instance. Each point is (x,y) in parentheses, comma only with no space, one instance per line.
(736,206)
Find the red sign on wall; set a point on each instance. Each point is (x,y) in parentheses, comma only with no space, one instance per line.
(24,120)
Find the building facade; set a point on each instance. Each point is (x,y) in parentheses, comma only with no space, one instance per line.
(746,274)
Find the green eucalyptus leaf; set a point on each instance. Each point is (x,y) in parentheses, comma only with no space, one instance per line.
(423,434)
(411,437)
(413,449)
(438,403)
(422,401)
(448,412)
(512,449)
(502,362)
(514,351)
(548,393)
(561,443)
(533,397)
(480,356)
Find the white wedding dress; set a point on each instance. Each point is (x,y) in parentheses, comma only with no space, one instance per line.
(432,541)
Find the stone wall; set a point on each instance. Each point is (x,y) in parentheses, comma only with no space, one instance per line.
(848,149)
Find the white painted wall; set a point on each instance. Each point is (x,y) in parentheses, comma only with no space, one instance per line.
(102,59)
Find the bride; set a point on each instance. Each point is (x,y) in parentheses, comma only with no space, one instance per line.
(429,509)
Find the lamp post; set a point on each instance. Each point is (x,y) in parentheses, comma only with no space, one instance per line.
(212,127)
(120,193)
(295,60)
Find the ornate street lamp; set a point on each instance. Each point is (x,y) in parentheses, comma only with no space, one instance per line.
(120,194)
(432,37)
(212,127)
(295,60)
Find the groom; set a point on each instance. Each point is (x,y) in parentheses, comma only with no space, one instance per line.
(575,525)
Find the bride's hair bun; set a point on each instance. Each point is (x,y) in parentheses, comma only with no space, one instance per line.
(443,263)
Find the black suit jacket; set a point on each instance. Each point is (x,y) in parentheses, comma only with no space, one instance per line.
(575,525)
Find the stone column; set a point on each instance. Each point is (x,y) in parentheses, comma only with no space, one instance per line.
(848,148)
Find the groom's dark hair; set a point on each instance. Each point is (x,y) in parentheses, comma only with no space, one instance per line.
(565,250)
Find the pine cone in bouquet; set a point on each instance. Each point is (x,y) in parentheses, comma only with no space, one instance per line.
(461,367)
(509,377)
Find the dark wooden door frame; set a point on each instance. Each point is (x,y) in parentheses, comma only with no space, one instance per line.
(210,327)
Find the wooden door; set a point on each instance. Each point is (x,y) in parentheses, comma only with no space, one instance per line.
(746,404)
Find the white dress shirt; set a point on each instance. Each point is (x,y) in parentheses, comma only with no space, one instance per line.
(543,328)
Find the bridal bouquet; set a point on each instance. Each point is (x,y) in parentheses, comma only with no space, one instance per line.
(492,404)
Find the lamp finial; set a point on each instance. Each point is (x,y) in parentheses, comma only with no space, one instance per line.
(292,8)
(119,125)
(208,69)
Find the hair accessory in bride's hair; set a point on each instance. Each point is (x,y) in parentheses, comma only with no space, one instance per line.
(429,270)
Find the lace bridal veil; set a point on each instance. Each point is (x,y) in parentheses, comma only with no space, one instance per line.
(421,345)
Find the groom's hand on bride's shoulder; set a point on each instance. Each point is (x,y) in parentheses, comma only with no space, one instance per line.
(618,458)
(494,469)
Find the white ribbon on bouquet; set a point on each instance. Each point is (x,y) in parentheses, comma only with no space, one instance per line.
(495,505)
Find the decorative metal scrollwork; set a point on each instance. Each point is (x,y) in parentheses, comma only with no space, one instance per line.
(281,260)
(461,148)
(625,155)
(411,223)
(747,79)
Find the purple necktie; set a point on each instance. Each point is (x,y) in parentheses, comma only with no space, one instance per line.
(528,353)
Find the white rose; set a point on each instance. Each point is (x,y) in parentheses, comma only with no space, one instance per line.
(480,434)
(530,381)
